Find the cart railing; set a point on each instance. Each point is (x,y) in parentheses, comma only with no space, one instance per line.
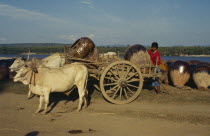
(96,68)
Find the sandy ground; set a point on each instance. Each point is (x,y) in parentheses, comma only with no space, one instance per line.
(182,112)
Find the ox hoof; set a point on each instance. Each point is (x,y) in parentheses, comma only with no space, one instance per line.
(37,111)
(179,87)
(201,88)
(44,113)
(28,98)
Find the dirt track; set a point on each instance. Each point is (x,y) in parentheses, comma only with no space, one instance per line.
(179,113)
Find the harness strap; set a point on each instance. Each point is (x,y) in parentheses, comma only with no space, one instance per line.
(35,71)
(31,77)
(34,78)
(33,74)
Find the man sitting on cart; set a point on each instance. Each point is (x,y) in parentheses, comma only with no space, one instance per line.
(155,58)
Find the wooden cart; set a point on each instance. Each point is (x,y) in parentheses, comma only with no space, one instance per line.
(120,81)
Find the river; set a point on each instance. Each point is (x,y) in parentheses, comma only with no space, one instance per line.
(203,59)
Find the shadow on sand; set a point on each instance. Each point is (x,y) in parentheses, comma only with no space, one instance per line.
(33,133)
(55,97)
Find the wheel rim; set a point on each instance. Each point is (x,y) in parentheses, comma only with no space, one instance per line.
(121,82)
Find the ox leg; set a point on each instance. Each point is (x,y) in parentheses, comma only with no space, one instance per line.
(85,99)
(30,95)
(29,92)
(85,102)
(41,100)
(46,98)
(81,98)
(80,104)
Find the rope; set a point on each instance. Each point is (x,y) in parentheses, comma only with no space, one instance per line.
(31,77)
(34,72)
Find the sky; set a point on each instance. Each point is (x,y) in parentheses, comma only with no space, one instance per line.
(106,22)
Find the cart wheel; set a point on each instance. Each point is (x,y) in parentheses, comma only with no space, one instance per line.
(121,82)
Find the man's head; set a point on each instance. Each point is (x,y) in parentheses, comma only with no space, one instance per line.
(154,46)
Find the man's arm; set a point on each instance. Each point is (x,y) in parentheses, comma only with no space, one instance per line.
(158,59)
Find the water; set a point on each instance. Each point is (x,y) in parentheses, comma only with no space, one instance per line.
(203,59)
(25,56)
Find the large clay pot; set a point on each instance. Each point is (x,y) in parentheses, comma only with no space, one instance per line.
(169,62)
(138,55)
(81,48)
(195,63)
(179,73)
(201,76)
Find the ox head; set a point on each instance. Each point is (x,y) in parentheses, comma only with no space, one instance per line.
(23,75)
(25,72)
(18,63)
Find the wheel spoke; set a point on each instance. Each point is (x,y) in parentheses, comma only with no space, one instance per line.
(113,97)
(118,71)
(120,93)
(128,70)
(111,90)
(131,76)
(126,96)
(111,79)
(123,68)
(133,86)
(133,80)
(130,90)
(114,74)
(110,84)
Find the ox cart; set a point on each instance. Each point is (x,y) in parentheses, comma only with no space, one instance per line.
(120,81)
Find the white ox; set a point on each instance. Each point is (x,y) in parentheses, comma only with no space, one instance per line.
(54,61)
(48,80)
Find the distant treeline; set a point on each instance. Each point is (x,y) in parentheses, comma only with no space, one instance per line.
(49,48)
(177,51)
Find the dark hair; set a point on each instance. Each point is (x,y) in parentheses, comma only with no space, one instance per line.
(155,44)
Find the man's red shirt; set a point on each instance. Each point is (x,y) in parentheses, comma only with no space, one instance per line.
(155,56)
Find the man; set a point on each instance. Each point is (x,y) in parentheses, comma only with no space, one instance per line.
(155,58)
